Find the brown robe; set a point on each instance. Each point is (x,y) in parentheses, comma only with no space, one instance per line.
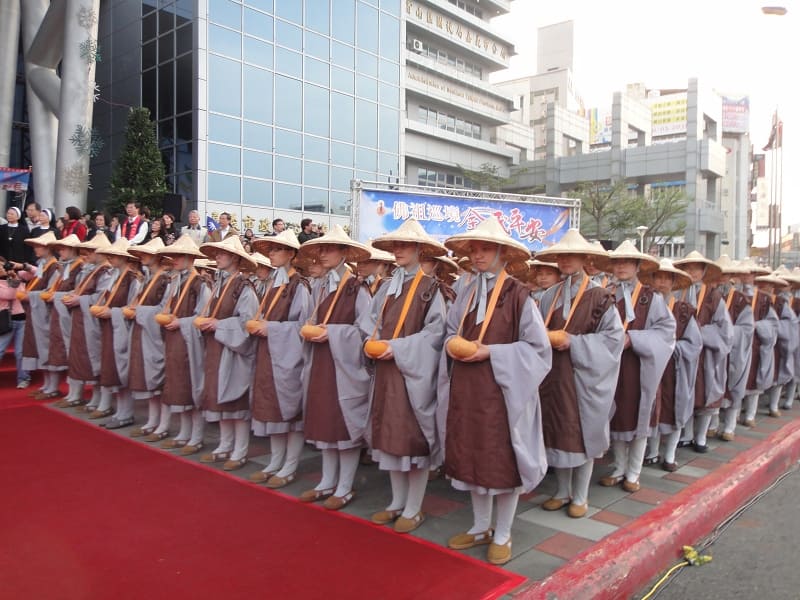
(29,349)
(324,421)
(478,447)
(223,308)
(58,349)
(137,379)
(109,376)
(177,379)
(80,365)
(561,423)
(395,429)
(266,407)
(705,316)
(628,394)
(683,313)
(763,304)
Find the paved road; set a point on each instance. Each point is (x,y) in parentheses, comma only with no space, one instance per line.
(756,557)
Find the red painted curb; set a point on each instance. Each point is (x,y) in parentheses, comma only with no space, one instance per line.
(623,562)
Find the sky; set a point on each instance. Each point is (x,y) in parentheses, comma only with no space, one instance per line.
(729,45)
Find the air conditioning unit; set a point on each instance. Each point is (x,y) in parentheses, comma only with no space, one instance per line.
(416,45)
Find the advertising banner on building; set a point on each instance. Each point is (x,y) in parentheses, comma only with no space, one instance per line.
(535,225)
(599,126)
(14,180)
(735,114)
(669,114)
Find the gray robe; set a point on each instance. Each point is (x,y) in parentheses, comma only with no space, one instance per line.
(786,344)
(518,369)
(91,326)
(416,357)
(595,358)
(685,357)
(767,331)
(122,328)
(717,340)
(152,342)
(40,316)
(739,358)
(195,344)
(653,346)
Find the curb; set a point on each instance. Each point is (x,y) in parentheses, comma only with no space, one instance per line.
(623,562)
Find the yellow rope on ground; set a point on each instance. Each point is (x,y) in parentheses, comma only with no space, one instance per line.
(692,558)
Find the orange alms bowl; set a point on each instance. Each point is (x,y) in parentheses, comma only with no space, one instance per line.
(253,326)
(200,321)
(129,312)
(96,309)
(557,337)
(22,295)
(458,347)
(165,318)
(374,348)
(310,332)
(67,298)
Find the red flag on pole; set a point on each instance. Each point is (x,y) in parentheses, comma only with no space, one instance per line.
(775,134)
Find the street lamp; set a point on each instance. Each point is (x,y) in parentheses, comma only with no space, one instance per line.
(641,229)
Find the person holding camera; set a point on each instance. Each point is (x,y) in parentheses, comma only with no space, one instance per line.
(12,320)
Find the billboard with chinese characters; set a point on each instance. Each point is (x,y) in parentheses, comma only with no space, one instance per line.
(538,222)
(14,180)
(735,114)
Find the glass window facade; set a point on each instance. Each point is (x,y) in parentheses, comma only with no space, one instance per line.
(302,96)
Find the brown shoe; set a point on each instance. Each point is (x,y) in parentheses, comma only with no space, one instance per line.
(555,503)
(499,554)
(749,422)
(711,433)
(276,483)
(385,517)
(669,467)
(316,495)
(775,413)
(404,525)
(339,502)
(99,414)
(726,437)
(142,431)
(156,437)
(576,511)
(215,457)
(631,486)
(610,481)
(188,449)
(462,541)
(260,476)
(173,444)
(234,465)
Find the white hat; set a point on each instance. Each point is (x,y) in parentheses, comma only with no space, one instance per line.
(412,232)
(232,245)
(356,252)
(489,230)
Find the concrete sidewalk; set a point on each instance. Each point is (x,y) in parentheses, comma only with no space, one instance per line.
(543,542)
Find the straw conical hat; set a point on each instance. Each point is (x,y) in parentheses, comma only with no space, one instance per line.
(232,245)
(118,248)
(150,247)
(356,252)
(749,266)
(536,263)
(412,232)
(728,266)
(96,243)
(71,241)
(627,251)
(379,255)
(184,246)
(261,260)
(285,238)
(787,275)
(489,230)
(571,242)
(773,279)
(204,263)
(45,239)
(712,269)
(680,278)
(448,264)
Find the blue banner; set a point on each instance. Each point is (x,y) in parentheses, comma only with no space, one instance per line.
(14,180)
(538,226)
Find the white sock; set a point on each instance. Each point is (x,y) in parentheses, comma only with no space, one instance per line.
(294,449)
(481,512)
(277,452)
(653,442)
(163,424)
(620,457)
(50,382)
(506,510)
(581,478)
(417,483)
(105,398)
(788,397)
(750,406)
(774,395)
(124,406)
(241,438)
(564,481)
(185,431)
(701,423)
(714,424)
(75,389)
(348,464)
(198,427)
(635,459)
(226,436)
(688,431)
(729,420)
(95,401)
(671,446)
(399,481)
(153,413)
(330,469)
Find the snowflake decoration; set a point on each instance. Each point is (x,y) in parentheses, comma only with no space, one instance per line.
(90,51)
(87,141)
(96,93)
(76,179)
(87,18)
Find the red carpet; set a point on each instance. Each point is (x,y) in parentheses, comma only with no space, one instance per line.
(87,514)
